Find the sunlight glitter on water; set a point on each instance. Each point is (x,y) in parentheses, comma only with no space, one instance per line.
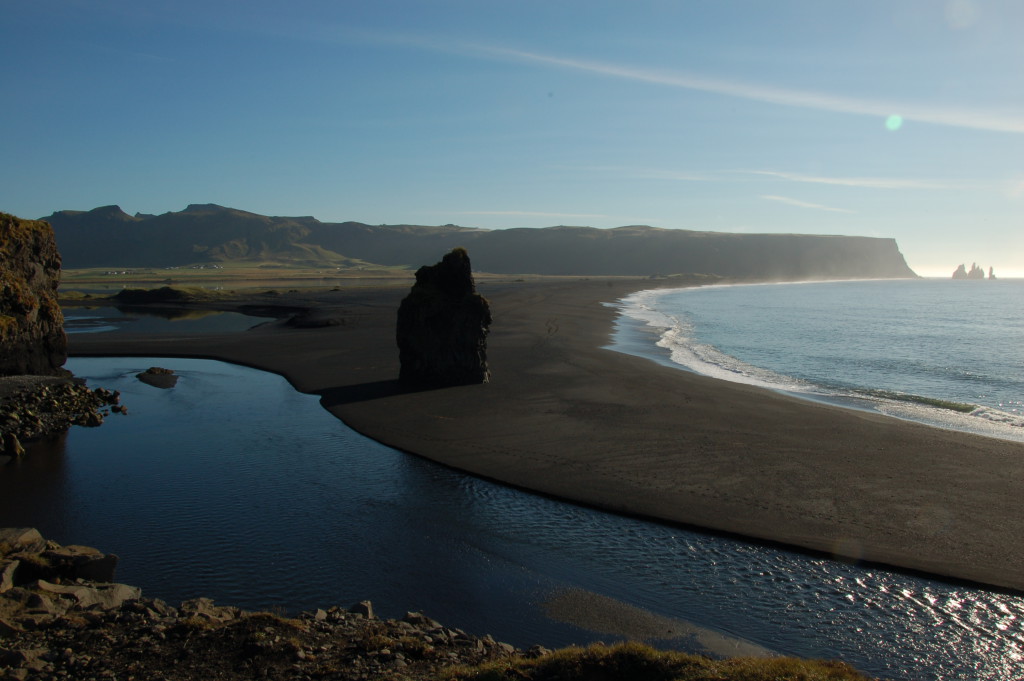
(234,486)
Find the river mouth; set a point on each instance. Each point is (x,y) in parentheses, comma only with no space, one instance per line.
(235,486)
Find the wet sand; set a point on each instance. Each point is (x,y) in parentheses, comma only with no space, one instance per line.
(566,417)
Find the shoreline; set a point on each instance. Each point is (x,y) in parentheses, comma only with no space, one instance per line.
(567,417)
(638,315)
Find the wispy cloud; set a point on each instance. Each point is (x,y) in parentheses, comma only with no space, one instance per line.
(752,175)
(746,176)
(864,182)
(975,119)
(803,204)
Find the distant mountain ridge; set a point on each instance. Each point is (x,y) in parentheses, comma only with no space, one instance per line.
(208,233)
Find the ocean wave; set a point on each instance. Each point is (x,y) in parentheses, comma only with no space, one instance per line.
(981,421)
(677,336)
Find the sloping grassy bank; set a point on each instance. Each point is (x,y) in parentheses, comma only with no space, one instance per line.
(637,662)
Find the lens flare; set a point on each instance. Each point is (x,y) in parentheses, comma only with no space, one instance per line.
(894,122)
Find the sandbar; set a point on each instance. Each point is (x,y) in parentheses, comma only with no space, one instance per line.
(565,416)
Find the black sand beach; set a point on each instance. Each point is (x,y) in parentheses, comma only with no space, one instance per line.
(566,417)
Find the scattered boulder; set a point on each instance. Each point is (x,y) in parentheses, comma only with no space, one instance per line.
(34,558)
(41,580)
(104,596)
(158,377)
(81,562)
(364,608)
(205,609)
(32,339)
(21,539)
(443,325)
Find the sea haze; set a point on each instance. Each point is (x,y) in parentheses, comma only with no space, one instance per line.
(895,346)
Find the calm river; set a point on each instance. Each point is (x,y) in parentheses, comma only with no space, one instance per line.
(233,485)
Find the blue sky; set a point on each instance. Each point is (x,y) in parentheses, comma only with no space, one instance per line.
(877,118)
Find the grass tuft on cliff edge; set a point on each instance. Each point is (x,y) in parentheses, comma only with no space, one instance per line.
(638,662)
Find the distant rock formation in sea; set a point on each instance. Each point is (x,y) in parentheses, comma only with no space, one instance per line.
(32,339)
(975,272)
(210,234)
(443,325)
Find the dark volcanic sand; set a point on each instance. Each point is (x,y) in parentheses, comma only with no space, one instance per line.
(566,417)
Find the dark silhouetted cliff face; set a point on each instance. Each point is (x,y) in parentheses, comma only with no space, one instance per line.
(107,237)
(442,326)
(32,339)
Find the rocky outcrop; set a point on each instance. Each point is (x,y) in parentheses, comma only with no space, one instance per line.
(44,584)
(974,273)
(42,559)
(32,339)
(158,377)
(443,325)
(33,406)
(76,627)
(42,581)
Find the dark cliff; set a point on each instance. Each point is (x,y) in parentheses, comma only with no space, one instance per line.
(32,339)
(209,233)
(443,325)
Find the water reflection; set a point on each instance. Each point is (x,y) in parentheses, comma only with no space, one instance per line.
(233,485)
(41,487)
(137,319)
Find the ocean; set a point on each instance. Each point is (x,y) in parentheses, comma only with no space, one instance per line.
(943,352)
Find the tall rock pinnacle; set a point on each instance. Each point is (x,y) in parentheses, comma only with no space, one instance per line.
(443,325)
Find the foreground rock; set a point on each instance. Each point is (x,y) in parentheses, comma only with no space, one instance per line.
(443,325)
(71,626)
(32,339)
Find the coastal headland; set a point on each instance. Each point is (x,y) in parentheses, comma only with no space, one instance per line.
(565,416)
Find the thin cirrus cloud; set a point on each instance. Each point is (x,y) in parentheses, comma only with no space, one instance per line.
(750,175)
(975,119)
(803,204)
(863,182)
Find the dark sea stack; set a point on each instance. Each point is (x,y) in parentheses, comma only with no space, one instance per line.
(442,326)
(32,339)
(974,273)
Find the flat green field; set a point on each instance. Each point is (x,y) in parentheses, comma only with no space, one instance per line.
(226,276)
